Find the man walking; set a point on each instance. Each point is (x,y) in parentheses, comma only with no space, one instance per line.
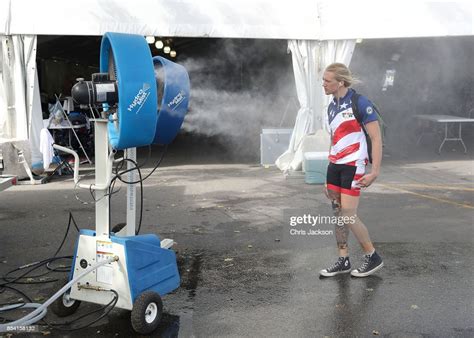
(346,174)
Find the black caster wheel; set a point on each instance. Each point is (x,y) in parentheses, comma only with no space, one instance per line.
(64,306)
(146,313)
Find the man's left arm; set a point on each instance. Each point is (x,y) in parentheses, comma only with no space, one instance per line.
(373,130)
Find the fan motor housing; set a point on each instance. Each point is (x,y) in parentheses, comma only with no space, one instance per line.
(100,90)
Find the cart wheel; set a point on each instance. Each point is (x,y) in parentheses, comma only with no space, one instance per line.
(64,306)
(146,313)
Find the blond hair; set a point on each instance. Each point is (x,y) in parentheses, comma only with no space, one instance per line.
(342,74)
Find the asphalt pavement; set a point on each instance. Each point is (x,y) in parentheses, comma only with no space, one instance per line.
(242,275)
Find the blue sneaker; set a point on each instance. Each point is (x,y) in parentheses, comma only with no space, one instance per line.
(372,264)
(343,265)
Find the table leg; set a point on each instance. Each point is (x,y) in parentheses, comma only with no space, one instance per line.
(445,137)
(460,138)
(77,138)
(422,133)
(419,139)
(452,138)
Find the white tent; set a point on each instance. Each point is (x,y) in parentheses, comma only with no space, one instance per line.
(262,19)
(313,27)
(20,107)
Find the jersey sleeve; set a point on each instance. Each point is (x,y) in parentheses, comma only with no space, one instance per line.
(367,110)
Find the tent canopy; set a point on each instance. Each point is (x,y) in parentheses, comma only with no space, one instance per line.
(304,20)
(262,19)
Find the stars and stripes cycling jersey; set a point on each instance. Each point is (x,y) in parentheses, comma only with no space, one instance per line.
(348,145)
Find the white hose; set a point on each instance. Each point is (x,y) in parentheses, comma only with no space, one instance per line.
(23,306)
(40,311)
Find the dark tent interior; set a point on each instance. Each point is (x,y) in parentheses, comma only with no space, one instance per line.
(239,86)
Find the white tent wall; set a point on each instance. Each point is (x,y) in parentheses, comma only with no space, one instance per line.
(13,76)
(4,17)
(3,95)
(6,114)
(309,61)
(20,108)
(35,118)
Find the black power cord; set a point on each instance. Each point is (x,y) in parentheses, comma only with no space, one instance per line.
(119,174)
(35,265)
(153,170)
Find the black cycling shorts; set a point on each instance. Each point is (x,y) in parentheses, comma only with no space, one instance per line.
(342,178)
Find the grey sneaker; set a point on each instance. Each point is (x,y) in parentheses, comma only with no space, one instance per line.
(343,265)
(372,263)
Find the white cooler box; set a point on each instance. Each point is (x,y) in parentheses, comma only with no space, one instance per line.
(273,143)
